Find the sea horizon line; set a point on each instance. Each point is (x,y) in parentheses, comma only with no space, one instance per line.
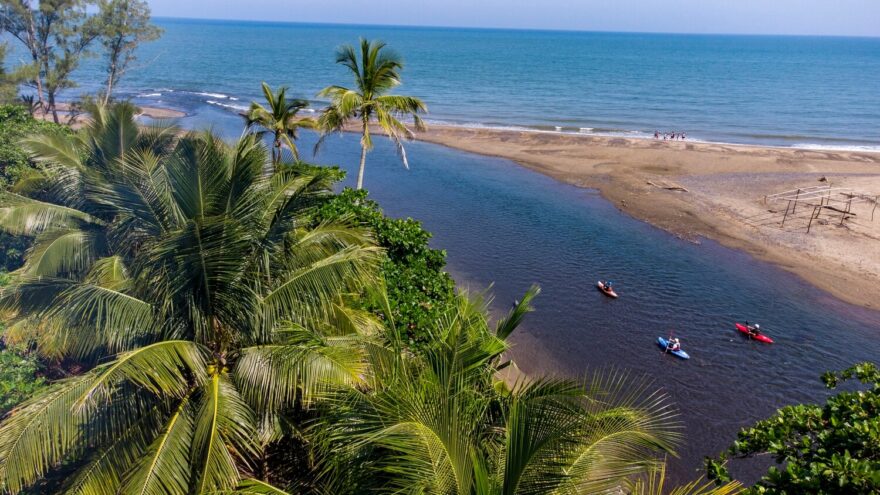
(509,29)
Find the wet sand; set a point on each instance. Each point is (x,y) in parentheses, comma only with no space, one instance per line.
(716,191)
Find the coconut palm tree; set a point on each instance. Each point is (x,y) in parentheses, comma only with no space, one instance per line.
(376,72)
(442,422)
(185,274)
(280,119)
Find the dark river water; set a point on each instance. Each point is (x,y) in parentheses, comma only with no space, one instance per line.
(508,227)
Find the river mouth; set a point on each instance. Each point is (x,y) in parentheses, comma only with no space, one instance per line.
(508,227)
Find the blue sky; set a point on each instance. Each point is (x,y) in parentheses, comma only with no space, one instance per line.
(827,17)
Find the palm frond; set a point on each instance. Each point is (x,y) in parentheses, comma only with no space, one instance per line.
(654,483)
(304,365)
(59,252)
(166,467)
(224,424)
(307,290)
(165,369)
(106,468)
(40,433)
(257,487)
(24,216)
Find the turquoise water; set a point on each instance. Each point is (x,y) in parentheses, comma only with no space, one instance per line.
(790,91)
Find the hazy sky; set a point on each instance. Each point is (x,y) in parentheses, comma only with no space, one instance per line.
(832,17)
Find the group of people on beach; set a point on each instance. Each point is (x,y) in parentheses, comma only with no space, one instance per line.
(670,136)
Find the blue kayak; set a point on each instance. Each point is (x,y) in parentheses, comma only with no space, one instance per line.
(664,344)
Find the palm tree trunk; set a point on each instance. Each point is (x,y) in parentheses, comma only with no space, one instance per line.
(361,170)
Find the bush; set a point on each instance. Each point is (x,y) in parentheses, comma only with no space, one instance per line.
(418,287)
(824,449)
(18,377)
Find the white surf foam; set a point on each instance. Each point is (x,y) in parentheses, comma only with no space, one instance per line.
(226,105)
(219,96)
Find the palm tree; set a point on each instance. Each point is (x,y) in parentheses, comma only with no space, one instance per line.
(186,274)
(280,119)
(442,422)
(376,72)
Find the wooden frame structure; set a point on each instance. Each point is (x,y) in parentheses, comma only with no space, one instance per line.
(818,199)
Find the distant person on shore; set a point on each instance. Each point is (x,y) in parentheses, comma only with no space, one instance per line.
(656,134)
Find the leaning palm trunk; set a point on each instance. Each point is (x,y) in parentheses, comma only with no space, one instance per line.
(360,182)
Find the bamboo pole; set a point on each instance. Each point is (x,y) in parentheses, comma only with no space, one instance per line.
(816,211)
(786,213)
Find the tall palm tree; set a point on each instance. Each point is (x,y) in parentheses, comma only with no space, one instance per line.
(187,274)
(279,119)
(376,72)
(441,422)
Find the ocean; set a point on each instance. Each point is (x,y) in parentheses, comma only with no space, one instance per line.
(810,92)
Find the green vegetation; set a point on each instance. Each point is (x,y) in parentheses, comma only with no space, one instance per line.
(124,25)
(418,288)
(280,120)
(376,72)
(15,124)
(832,448)
(58,34)
(15,165)
(18,377)
(8,82)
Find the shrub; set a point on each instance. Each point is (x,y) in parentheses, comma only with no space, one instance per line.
(418,287)
(823,449)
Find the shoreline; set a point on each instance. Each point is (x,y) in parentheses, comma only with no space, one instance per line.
(157,113)
(695,189)
(722,186)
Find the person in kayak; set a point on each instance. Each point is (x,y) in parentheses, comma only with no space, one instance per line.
(607,286)
(754,330)
(674,345)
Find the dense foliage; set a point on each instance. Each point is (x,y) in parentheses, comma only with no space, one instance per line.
(58,34)
(8,81)
(15,124)
(180,272)
(832,448)
(418,288)
(19,378)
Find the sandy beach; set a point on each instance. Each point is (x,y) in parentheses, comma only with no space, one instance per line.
(150,112)
(717,191)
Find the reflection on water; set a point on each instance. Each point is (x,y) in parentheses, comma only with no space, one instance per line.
(507,226)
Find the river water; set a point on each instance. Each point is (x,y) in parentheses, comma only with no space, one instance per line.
(508,227)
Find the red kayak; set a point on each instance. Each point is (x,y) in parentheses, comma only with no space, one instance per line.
(760,337)
(606,290)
